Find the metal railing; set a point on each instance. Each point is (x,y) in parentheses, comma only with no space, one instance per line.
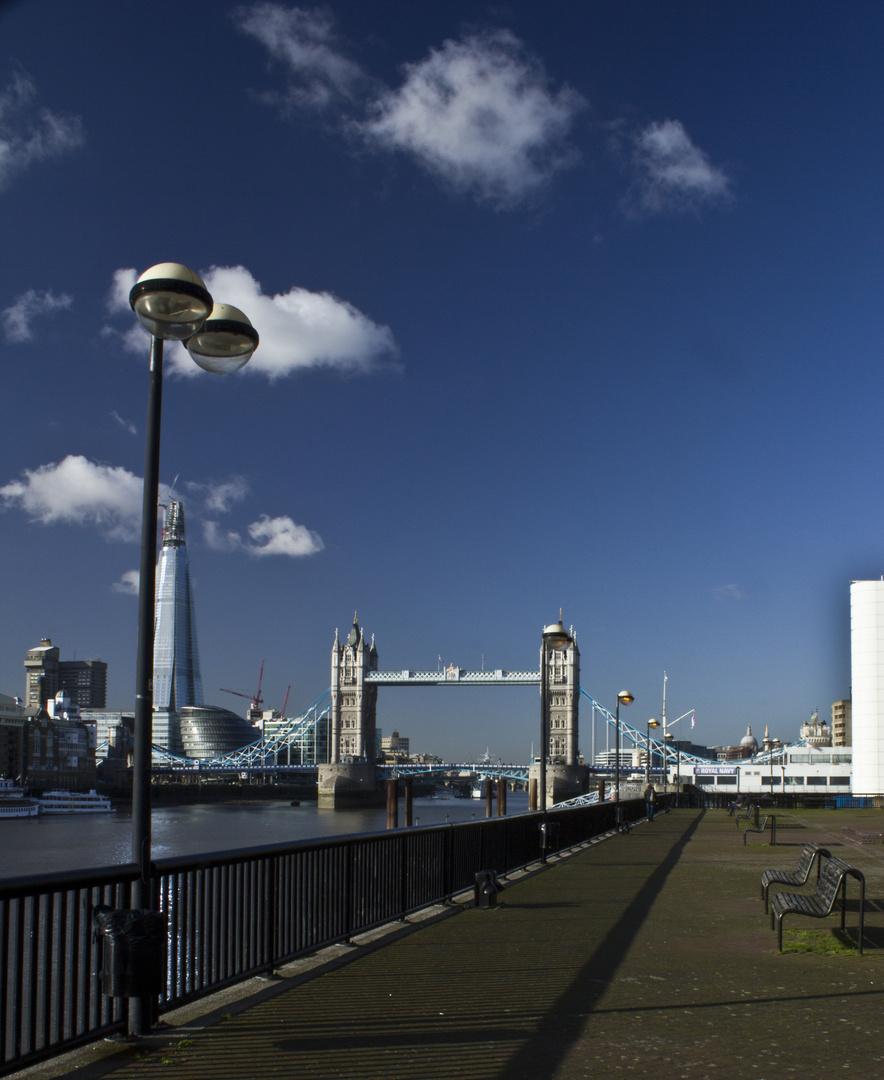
(234,914)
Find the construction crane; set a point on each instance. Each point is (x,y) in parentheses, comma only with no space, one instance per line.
(285,700)
(256,699)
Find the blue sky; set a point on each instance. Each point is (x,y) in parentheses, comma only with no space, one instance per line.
(561,305)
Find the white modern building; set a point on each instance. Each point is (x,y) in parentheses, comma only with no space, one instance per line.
(867,678)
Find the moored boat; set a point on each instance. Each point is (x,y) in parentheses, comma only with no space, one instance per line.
(14,802)
(75,802)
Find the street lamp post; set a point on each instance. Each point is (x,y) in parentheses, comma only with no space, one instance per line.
(627,699)
(651,723)
(173,304)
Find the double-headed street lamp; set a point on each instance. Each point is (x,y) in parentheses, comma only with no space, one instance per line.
(173,304)
(651,723)
(625,698)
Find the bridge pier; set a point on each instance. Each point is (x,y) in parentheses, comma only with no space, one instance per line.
(562,782)
(349,786)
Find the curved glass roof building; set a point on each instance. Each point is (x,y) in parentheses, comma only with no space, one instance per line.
(208,731)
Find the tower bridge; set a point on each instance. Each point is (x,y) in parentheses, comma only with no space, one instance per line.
(335,737)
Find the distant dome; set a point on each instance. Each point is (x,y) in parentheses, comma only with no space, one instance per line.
(749,742)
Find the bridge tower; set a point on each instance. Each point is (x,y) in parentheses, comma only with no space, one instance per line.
(349,779)
(563,682)
(353,704)
(565,776)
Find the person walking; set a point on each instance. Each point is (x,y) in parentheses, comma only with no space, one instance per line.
(650,801)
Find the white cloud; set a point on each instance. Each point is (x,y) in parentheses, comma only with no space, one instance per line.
(31,305)
(729,592)
(128,583)
(298,329)
(77,491)
(118,297)
(281,536)
(480,114)
(219,540)
(29,132)
(269,536)
(674,174)
(304,40)
(219,496)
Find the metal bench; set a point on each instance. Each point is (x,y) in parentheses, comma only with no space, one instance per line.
(750,817)
(762,828)
(831,885)
(810,854)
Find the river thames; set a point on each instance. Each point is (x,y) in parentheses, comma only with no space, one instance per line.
(85,841)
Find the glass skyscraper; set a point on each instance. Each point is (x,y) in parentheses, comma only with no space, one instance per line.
(176,663)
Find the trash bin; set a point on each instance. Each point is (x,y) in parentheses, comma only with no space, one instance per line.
(486,889)
(133,951)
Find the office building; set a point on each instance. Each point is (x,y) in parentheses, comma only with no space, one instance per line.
(842,731)
(84,681)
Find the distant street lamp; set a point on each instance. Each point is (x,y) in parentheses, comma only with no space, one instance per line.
(625,698)
(554,638)
(173,304)
(651,723)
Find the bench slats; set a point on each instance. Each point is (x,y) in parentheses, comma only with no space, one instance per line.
(810,854)
(831,885)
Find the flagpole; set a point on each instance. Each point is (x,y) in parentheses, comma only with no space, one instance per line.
(665,768)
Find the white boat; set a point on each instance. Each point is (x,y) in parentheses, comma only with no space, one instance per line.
(74,802)
(14,802)
(18,808)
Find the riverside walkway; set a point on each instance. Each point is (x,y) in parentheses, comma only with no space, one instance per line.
(642,954)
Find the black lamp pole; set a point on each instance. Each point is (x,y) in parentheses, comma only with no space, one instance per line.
(172,303)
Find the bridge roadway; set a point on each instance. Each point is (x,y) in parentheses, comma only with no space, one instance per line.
(646,954)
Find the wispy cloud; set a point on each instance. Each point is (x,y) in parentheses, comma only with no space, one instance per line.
(77,491)
(479,113)
(729,592)
(127,424)
(31,305)
(219,496)
(298,329)
(269,536)
(673,174)
(30,132)
(304,39)
(128,583)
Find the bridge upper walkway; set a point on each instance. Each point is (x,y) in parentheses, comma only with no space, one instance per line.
(647,954)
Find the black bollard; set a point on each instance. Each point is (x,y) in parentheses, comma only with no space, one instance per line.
(392,803)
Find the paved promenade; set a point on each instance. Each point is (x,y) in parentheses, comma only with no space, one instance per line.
(646,954)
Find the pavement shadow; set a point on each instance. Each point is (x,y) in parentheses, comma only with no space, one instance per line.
(562,1025)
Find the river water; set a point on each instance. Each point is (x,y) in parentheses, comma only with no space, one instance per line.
(76,842)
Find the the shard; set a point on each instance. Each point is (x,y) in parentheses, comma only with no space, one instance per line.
(176,663)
